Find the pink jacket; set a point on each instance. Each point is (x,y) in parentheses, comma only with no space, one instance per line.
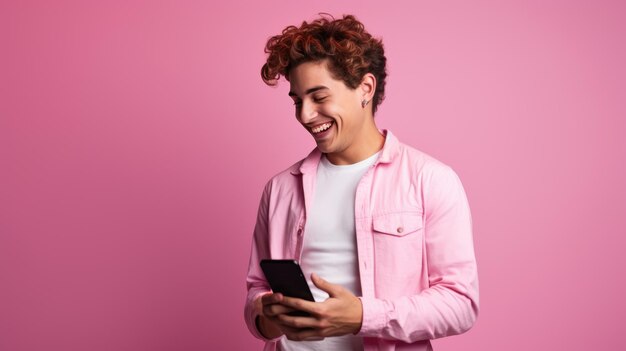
(414,239)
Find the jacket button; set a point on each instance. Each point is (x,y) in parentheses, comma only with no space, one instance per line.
(299,231)
(400,230)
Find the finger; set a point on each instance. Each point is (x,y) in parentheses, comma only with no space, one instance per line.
(276,309)
(333,290)
(300,304)
(304,334)
(269,299)
(298,322)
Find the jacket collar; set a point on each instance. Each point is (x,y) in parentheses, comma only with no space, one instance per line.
(387,153)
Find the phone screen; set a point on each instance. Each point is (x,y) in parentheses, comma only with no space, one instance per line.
(286,277)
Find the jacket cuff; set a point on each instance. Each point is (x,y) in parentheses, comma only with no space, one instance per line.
(252,312)
(374,317)
(252,315)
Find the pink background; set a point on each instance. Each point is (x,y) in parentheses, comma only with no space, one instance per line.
(135,138)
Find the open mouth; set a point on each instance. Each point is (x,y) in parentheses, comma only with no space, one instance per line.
(322,127)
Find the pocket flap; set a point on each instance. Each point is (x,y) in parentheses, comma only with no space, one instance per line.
(398,224)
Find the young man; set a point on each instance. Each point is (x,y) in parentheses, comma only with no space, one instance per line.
(382,231)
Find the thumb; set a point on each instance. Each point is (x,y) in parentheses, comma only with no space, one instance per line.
(333,290)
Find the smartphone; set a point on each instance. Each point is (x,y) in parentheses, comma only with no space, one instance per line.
(285,277)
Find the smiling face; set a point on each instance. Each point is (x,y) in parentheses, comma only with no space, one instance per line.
(333,114)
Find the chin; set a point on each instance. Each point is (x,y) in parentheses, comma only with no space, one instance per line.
(327,149)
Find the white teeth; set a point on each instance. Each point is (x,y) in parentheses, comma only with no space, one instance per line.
(322,128)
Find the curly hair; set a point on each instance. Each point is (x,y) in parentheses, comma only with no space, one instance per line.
(350,51)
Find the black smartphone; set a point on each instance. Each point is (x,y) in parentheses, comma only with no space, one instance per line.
(286,277)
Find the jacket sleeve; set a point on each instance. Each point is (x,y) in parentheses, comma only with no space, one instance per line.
(255,280)
(449,305)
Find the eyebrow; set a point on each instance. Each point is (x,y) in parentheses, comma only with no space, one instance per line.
(309,91)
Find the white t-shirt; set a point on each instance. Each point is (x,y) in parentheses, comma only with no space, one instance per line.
(329,247)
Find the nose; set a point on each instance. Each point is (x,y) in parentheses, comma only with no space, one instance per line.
(306,112)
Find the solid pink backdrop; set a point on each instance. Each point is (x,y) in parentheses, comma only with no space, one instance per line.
(136,137)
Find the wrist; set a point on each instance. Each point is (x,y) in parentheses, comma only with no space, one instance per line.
(360,317)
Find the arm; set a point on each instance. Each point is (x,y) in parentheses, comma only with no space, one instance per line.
(450,304)
(255,281)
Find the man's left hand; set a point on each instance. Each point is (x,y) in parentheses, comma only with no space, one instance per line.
(340,314)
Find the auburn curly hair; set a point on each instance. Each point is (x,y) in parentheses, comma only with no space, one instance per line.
(350,51)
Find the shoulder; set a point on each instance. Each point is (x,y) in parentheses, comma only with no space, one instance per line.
(437,184)
(287,175)
(420,162)
(288,179)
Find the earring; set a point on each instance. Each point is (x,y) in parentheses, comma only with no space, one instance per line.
(364,103)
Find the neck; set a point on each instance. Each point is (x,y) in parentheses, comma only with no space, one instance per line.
(369,142)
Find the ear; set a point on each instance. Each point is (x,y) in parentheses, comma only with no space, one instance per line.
(368,87)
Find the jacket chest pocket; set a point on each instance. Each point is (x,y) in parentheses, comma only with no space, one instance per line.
(397,224)
(398,241)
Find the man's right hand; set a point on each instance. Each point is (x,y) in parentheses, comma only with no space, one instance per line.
(268,322)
